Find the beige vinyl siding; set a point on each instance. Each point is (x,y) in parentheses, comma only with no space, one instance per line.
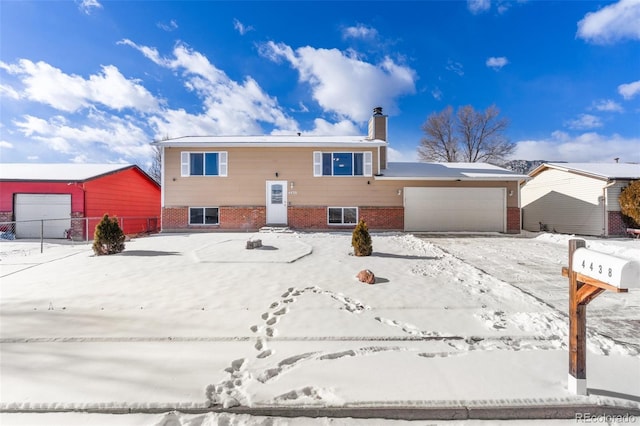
(566,202)
(613,195)
(250,168)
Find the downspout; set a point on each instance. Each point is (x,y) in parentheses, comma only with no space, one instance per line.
(162,193)
(605,202)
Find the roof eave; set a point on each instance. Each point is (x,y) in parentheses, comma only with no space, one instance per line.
(454,179)
(351,144)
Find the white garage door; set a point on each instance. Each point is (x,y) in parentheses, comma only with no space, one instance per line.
(455,209)
(31,208)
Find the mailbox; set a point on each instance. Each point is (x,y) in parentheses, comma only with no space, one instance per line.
(615,271)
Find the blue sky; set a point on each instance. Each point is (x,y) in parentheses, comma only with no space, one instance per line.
(97,81)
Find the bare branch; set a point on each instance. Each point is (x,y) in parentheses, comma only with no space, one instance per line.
(440,143)
(471,136)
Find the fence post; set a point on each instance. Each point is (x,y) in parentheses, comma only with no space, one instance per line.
(41,235)
(86,229)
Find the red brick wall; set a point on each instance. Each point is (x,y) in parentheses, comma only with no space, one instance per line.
(301,218)
(311,218)
(616,224)
(242,218)
(79,227)
(513,220)
(388,218)
(174,218)
(230,218)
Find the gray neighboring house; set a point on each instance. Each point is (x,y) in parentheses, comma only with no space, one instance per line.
(576,198)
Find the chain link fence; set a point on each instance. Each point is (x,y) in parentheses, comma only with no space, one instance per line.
(79,229)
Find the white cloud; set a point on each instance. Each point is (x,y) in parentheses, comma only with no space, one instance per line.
(630,90)
(607,105)
(587,147)
(615,22)
(360,31)
(478,6)
(584,121)
(241,28)
(149,52)
(394,155)
(437,94)
(119,135)
(88,6)
(49,85)
(9,92)
(344,84)
(230,107)
(6,145)
(172,25)
(496,63)
(455,67)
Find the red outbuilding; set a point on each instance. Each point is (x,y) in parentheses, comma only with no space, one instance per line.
(67,200)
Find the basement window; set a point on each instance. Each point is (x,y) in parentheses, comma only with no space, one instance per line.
(342,215)
(203,216)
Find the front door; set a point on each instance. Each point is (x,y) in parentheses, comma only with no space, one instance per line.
(276,202)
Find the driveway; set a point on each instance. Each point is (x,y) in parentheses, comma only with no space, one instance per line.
(534,266)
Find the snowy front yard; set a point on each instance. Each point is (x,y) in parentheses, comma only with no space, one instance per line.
(189,321)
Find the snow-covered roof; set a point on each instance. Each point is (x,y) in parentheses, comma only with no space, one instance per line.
(57,171)
(271,141)
(448,171)
(599,170)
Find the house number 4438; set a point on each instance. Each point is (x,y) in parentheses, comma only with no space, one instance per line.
(597,268)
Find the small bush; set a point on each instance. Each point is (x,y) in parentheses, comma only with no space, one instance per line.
(361,240)
(108,238)
(630,204)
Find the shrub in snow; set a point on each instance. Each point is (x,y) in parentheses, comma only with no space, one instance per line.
(361,240)
(108,238)
(630,204)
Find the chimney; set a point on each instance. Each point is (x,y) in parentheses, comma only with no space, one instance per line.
(378,130)
(378,125)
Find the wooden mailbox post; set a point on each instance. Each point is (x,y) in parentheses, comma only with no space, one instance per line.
(590,273)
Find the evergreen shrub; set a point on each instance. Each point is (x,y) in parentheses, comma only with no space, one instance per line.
(630,204)
(108,237)
(361,240)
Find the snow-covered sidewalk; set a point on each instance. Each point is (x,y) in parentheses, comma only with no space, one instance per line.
(194,321)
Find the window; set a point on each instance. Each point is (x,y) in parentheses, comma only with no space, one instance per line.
(342,215)
(276,193)
(203,216)
(342,163)
(203,164)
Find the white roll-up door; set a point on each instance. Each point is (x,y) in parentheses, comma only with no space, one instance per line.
(455,209)
(31,208)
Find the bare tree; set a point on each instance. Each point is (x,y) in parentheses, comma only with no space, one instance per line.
(440,142)
(155,170)
(474,136)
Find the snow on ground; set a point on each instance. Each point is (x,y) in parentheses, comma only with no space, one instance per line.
(186,321)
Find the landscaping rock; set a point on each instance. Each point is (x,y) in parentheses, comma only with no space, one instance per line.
(251,244)
(366,276)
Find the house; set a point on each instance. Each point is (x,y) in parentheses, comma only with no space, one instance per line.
(576,198)
(327,183)
(63,193)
